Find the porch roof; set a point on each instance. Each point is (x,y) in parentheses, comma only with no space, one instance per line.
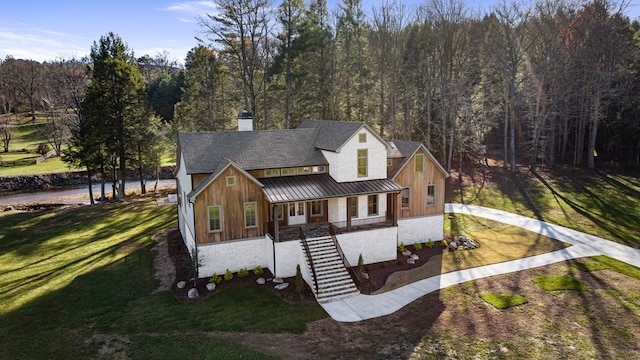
(321,186)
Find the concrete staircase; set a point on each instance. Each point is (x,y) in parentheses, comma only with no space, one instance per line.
(333,279)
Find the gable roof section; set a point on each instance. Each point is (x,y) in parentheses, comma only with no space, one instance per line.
(408,149)
(333,134)
(250,150)
(222,166)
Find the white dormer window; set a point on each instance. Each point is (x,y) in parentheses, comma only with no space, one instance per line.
(231,181)
(362,137)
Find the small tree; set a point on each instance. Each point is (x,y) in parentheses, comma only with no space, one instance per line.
(360,265)
(194,262)
(299,284)
(6,133)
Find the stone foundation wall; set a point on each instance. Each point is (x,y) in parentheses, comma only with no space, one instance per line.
(48,181)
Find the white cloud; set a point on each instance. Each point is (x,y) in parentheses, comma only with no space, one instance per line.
(24,42)
(194,8)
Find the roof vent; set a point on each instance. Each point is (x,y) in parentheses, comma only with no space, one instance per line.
(245,121)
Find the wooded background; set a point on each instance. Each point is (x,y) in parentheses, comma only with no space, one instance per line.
(540,84)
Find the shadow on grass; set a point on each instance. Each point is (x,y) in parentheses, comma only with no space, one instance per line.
(616,217)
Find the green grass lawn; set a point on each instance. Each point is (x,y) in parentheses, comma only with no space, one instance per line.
(69,277)
(503,301)
(598,203)
(559,282)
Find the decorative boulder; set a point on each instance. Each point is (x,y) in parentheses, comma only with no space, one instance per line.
(365,276)
(406,253)
(415,257)
(211,286)
(411,261)
(281,286)
(181,284)
(193,293)
(278,280)
(261,281)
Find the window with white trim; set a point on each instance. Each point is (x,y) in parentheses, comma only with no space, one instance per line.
(215,218)
(372,205)
(316,208)
(231,181)
(362,162)
(404,195)
(319,169)
(362,137)
(288,171)
(271,172)
(250,215)
(353,207)
(419,163)
(431,195)
(304,170)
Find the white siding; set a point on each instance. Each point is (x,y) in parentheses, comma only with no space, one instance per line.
(343,165)
(375,245)
(186,220)
(420,229)
(235,255)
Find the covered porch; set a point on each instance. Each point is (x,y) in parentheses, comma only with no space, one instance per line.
(316,204)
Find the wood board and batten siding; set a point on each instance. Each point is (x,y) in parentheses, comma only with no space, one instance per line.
(232,200)
(418,183)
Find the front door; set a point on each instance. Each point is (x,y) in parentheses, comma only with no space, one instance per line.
(296,213)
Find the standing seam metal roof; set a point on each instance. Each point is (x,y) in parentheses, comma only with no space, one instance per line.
(321,186)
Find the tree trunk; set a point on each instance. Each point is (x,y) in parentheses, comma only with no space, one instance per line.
(91,200)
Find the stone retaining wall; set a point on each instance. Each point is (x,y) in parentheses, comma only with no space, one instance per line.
(48,181)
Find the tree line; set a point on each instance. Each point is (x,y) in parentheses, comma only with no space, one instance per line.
(546,83)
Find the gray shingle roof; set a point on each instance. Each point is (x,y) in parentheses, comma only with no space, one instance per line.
(206,151)
(332,134)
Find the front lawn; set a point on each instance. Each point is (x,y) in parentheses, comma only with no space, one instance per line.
(76,280)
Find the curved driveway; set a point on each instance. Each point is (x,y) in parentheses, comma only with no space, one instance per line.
(362,307)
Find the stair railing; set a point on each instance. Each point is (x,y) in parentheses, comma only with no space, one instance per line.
(340,252)
(305,245)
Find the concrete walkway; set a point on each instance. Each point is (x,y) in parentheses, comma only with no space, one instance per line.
(362,307)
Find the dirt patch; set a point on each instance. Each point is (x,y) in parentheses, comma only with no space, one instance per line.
(163,266)
(455,323)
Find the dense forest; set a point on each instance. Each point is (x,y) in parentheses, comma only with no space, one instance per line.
(546,83)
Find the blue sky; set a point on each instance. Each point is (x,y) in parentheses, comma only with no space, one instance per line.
(48,30)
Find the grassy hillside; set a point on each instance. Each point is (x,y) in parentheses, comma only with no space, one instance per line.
(599,203)
(78,276)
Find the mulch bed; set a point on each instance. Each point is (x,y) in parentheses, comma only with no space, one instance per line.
(179,255)
(377,273)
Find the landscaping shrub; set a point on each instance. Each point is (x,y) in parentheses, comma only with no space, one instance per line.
(228,275)
(243,273)
(215,278)
(401,247)
(417,246)
(429,243)
(444,243)
(258,270)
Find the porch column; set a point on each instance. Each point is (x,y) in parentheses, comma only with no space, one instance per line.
(348,214)
(276,223)
(394,216)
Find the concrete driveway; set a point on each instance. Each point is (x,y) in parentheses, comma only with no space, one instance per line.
(362,307)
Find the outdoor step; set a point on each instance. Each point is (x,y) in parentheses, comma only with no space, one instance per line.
(329,281)
(323,293)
